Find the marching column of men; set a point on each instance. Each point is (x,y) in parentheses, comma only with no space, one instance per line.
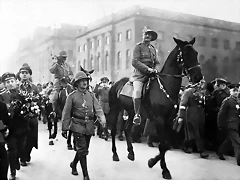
(22,136)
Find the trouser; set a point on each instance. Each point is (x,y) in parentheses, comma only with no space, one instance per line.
(3,162)
(234,139)
(16,145)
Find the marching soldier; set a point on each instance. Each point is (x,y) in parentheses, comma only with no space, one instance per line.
(26,85)
(18,126)
(191,112)
(221,92)
(228,118)
(63,74)
(78,116)
(102,92)
(4,132)
(144,61)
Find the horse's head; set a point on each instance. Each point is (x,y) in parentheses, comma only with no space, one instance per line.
(188,61)
(88,73)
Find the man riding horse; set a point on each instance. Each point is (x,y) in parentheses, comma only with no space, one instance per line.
(63,74)
(145,61)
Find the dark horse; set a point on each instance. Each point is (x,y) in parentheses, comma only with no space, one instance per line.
(159,101)
(62,99)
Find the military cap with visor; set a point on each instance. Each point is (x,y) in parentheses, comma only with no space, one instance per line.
(220,81)
(104,79)
(26,67)
(63,54)
(6,76)
(147,30)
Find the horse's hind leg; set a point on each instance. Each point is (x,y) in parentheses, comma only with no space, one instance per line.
(127,130)
(163,148)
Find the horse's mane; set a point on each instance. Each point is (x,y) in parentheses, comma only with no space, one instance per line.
(172,54)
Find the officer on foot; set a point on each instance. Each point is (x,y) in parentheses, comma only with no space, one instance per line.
(78,116)
(144,61)
(228,118)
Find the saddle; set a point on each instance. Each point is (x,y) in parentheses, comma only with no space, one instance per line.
(127,89)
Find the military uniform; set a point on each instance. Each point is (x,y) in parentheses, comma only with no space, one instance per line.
(61,71)
(4,121)
(144,57)
(191,109)
(228,118)
(32,135)
(78,116)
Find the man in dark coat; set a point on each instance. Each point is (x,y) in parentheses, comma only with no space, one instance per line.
(145,61)
(191,112)
(28,87)
(17,125)
(221,92)
(4,132)
(228,118)
(78,116)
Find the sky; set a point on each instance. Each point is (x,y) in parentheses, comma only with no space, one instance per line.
(19,18)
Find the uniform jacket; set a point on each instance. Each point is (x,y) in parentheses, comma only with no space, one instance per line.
(102,93)
(191,102)
(228,116)
(144,57)
(60,71)
(78,106)
(219,95)
(28,87)
(5,120)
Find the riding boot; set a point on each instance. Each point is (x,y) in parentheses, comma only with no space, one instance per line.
(73,165)
(137,106)
(83,162)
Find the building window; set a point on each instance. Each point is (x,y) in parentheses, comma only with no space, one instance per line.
(119,37)
(106,61)
(201,41)
(107,40)
(160,35)
(91,63)
(214,43)
(214,59)
(98,60)
(119,56)
(79,65)
(128,58)
(226,44)
(99,42)
(238,45)
(85,47)
(84,64)
(92,45)
(226,60)
(79,48)
(128,34)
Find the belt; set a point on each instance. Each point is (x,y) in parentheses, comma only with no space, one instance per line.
(84,118)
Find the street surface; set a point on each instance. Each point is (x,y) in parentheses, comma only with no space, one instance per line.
(52,163)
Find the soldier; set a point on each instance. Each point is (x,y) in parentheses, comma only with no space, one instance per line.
(191,112)
(4,132)
(78,116)
(221,92)
(144,61)
(228,118)
(26,85)
(102,92)
(18,126)
(63,74)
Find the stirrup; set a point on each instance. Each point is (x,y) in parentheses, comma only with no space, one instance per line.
(137,119)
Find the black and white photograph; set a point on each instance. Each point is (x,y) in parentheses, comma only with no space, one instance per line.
(120,89)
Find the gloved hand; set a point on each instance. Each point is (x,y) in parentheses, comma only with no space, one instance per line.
(151,70)
(64,134)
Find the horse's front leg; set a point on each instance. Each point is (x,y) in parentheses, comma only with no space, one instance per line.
(114,119)
(127,130)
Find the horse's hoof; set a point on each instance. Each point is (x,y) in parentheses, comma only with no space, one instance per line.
(115,157)
(120,138)
(131,156)
(166,175)
(151,162)
(51,143)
